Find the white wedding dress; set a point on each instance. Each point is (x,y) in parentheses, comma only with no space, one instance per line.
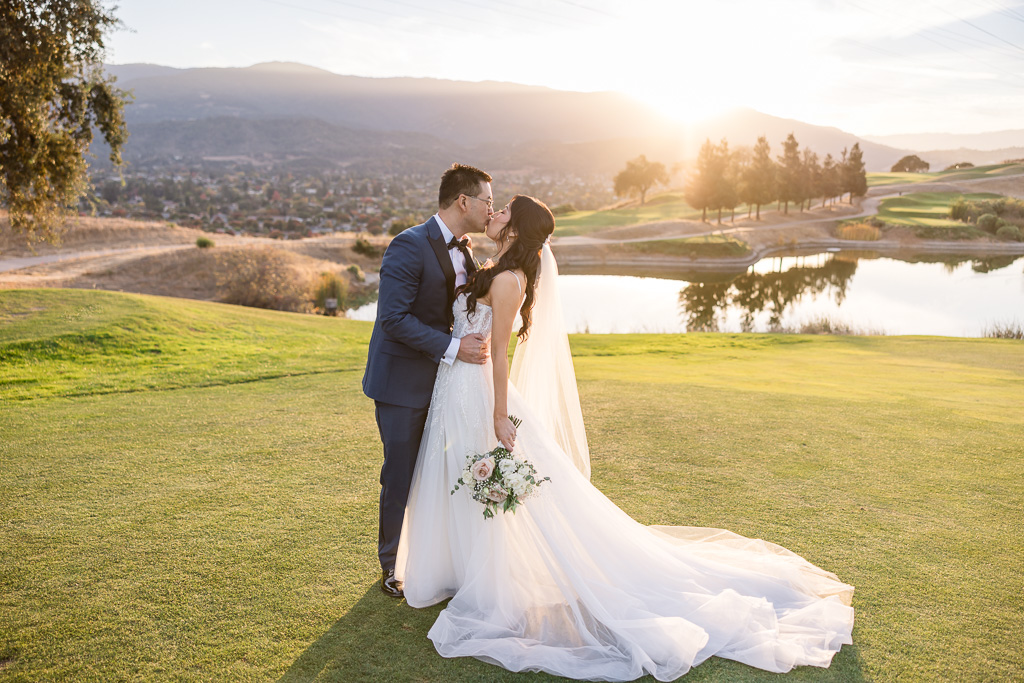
(573,586)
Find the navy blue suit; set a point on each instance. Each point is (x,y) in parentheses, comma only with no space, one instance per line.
(411,334)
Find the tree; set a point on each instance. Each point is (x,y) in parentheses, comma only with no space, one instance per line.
(53,92)
(727,187)
(702,186)
(830,186)
(810,177)
(855,179)
(739,164)
(759,177)
(639,176)
(911,164)
(790,172)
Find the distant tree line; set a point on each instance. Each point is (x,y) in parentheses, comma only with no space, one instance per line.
(723,178)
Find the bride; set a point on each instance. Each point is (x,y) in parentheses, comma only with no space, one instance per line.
(570,584)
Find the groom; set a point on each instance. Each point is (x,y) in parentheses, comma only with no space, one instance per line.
(413,333)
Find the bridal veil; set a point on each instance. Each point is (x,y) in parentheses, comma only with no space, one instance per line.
(542,369)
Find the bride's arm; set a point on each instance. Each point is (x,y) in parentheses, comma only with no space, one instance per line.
(505,301)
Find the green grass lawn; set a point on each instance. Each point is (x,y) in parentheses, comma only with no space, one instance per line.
(929,210)
(190,489)
(664,207)
(705,246)
(991,171)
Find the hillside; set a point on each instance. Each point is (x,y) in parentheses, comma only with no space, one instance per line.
(321,115)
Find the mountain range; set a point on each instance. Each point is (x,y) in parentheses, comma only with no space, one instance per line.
(283,111)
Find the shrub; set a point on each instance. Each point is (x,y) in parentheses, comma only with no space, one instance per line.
(365,247)
(988,222)
(823,324)
(330,286)
(947,233)
(357,273)
(876,222)
(960,210)
(859,231)
(400,224)
(563,209)
(1010,233)
(1010,330)
(204,242)
(262,278)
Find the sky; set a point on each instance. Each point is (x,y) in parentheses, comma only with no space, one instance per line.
(869,67)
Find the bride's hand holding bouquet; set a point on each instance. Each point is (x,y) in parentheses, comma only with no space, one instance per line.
(498,478)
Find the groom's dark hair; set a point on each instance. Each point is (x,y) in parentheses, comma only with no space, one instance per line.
(460,179)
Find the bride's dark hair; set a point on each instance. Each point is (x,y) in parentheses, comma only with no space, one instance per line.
(530,224)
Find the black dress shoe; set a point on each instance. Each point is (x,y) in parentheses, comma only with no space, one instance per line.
(390,585)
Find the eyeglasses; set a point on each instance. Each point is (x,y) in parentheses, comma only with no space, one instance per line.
(489,202)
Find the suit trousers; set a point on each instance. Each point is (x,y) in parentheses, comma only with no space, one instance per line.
(401,429)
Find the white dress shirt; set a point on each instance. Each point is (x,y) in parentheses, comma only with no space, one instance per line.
(459,264)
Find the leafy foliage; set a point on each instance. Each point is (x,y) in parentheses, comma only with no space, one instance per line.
(364,247)
(330,286)
(911,164)
(52,94)
(1011,233)
(639,176)
(704,186)
(854,178)
(1001,216)
(759,177)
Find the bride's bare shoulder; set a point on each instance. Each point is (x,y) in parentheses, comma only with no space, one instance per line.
(517,275)
(506,288)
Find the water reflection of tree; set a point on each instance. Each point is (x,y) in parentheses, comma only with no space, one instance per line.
(703,303)
(952,262)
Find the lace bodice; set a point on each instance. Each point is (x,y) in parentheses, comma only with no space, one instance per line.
(479,322)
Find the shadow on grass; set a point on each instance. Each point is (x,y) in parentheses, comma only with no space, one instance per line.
(383,639)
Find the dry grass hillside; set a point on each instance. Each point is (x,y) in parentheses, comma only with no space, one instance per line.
(163,259)
(87,233)
(215,274)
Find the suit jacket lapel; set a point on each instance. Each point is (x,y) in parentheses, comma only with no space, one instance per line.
(440,248)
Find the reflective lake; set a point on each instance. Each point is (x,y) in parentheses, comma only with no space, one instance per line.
(958,297)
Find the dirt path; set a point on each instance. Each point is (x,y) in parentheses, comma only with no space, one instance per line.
(20,262)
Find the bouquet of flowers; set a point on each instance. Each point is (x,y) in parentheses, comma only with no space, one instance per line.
(498,478)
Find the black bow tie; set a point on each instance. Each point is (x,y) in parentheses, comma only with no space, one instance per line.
(463,246)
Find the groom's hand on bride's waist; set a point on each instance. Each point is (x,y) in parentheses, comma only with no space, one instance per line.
(474,348)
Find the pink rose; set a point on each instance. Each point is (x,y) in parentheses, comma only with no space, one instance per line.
(482,469)
(497,496)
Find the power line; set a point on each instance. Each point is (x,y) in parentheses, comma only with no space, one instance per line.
(1008,12)
(887,16)
(985,31)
